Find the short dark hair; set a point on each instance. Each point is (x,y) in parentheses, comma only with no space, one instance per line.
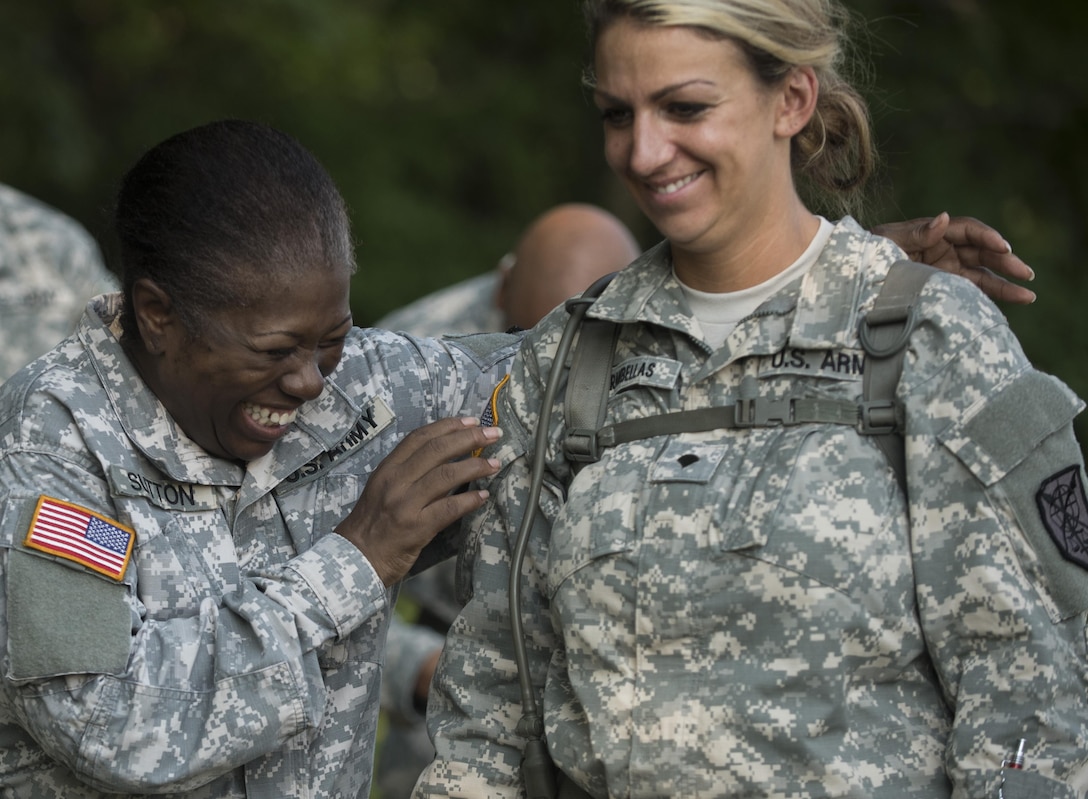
(211,213)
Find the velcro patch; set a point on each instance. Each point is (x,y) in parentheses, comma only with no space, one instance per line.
(1063,509)
(82,536)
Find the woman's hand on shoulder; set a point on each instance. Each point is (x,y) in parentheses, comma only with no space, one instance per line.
(413,495)
(967,247)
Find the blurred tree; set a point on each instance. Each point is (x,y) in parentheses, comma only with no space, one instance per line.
(446,124)
(981,108)
(449,123)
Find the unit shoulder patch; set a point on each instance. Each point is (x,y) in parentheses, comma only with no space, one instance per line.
(1063,509)
(490,416)
(82,536)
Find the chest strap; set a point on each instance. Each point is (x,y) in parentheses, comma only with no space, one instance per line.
(883,334)
(584,446)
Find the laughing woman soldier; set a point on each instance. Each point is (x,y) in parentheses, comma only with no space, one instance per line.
(194,597)
(751,609)
(177,615)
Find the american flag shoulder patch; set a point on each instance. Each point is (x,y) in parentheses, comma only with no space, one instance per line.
(80,535)
(490,416)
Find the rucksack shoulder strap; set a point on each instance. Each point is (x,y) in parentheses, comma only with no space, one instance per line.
(883,334)
(587,383)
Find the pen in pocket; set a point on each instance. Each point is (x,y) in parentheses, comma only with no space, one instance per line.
(1014,762)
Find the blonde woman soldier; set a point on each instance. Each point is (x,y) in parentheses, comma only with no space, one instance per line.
(763,609)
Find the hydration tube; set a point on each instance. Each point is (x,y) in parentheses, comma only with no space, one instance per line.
(537,769)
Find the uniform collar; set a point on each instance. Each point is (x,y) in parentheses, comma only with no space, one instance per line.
(320,425)
(824,303)
(646,291)
(826,300)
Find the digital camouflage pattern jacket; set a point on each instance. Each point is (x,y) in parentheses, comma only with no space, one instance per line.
(237,651)
(764,612)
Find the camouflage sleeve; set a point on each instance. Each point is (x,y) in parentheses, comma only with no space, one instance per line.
(479,362)
(425,379)
(475,703)
(134,702)
(999,536)
(438,378)
(50,266)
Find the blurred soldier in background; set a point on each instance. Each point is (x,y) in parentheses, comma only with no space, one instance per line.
(559,254)
(49,267)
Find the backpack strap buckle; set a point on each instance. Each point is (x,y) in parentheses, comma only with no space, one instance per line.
(581,446)
(878,417)
(759,412)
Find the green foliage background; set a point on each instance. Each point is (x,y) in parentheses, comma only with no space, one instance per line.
(450,123)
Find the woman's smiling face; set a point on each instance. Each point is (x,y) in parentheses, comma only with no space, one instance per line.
(235,387)
(690,130)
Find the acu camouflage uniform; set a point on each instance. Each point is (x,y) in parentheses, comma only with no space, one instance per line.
(239,655)
(763,612)
(49,267)
(465,307)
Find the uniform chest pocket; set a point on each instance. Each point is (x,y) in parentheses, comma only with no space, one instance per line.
(692,496)
(313,510)
(720,492)
(600,517)
(183,560)
(819,502)
(815,500)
